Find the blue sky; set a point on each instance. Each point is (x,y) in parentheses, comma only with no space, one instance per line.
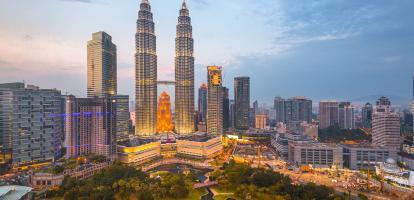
(323,49)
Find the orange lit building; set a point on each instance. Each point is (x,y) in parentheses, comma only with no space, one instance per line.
(164,117)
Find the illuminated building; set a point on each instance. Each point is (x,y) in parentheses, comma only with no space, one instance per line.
(164,121)
(90,126)
(102,79)
(30,125)
(202,101)
(139,153)
(199,146)
(242,102)
(145,73)
(260,121)
(184,75)
(214,100)
(364,156)
(328,114)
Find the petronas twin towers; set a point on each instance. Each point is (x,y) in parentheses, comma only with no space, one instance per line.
(146,74)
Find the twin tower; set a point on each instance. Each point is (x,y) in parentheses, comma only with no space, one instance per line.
(146,74)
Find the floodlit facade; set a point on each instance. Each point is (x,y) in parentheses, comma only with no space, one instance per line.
(145,73)
(30,124)
(139,153)
(200,146)
(102,75)
(260,121)
(90,126)
(214,100)
(184,74)
(164,115)
(242,102)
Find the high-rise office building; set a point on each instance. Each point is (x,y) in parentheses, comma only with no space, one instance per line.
(30,124)
(226,109)
(297,110)
(202,101)
(122,117)
(346,115)
(231,111)
(386,126)
(242,102)
(164,114)
(102,68)
(367,111)
(184,74)
(214,100)
(90,126)
(279,106)
(328,114)
(145,73)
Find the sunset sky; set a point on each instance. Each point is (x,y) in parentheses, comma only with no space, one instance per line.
(323,49)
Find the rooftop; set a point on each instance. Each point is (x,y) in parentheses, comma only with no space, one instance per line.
(13,192)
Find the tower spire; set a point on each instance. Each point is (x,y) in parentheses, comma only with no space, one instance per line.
(184,5)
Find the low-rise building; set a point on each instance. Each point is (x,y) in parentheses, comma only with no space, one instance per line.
(200,146)
(315,154)
(39,180)
(363,156)
(15,192)
(139,152)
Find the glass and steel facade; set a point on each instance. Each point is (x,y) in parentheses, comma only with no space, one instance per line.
(184,74)
(102,76)
(242,102)
(145,73)
(30,123)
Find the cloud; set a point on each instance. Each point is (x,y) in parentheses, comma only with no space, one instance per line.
(199,4)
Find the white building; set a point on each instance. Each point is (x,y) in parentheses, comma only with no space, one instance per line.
(316,154)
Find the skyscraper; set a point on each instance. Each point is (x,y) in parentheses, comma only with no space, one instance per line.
(226,109)
(385,126)
(214,100)
(297,110)
(90,126)
(242,102)
(202,101)
(145,73)
(184,74)
(122,117)
(231,111)
(31,131)
(279,106)
(367,115)
(102,75)
(346,116)
(328,114)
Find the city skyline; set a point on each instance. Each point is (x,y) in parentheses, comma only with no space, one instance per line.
(65,69)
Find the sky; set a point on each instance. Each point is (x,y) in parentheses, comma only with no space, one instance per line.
(322,49)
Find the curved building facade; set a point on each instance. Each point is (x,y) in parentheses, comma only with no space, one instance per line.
(146,73)
(184,74)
